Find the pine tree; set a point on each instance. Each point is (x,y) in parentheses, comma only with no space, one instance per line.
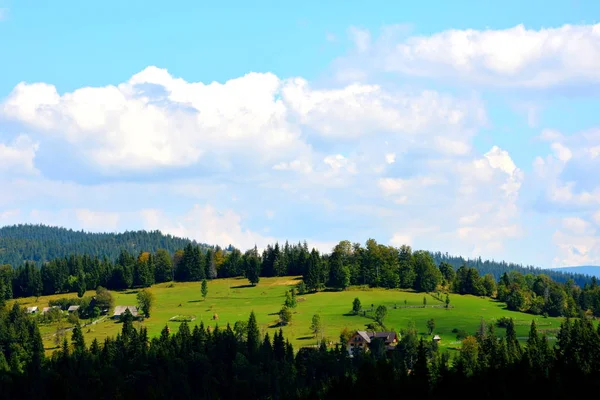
(78,340)
(253,334)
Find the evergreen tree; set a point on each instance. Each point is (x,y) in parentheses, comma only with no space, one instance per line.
(252,334)
(78,340)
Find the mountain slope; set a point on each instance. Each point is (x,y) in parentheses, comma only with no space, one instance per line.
(591,270)
(39,243)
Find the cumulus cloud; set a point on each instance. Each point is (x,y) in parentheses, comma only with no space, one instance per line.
(206,224)
(18,156)
(155,120)
(513,57)
(577,243)
(567,177)
(471,202)
(368,110)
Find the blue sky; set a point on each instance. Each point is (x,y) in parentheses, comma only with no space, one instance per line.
(469,126)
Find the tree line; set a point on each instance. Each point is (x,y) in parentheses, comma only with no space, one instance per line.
(373,265)
(243,363)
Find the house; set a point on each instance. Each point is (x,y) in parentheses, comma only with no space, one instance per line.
(119,310)
(73,308)
(437,338)
(361,340)
(32,310)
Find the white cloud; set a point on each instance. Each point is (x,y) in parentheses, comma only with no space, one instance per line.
(390,158)
(450,146)
(407,186)
(596,217)
(567,177)
(562,152)
(577,225)
(366,110)
(399,239)
(301,166)
(18,156)
(206,224)
(10,217)
(97,221)
(155,120)
(576,248)
(360,37)
(339,163)
(513,57)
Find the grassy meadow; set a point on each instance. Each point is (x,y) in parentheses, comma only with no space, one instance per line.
(233,300)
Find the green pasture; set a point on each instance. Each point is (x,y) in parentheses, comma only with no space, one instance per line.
(233,299)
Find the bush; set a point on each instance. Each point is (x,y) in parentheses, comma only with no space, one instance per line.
(301,287)
(503,322)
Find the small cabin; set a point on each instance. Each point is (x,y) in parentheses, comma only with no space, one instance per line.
(437,338)
(361,340)
(119,310)
(73,309)
(32,310)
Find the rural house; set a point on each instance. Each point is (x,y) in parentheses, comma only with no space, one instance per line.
(32,310)
(119,310)
(361,340)
(73,308)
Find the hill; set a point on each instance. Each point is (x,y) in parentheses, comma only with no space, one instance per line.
(40,243)
(591,270)
(232,299)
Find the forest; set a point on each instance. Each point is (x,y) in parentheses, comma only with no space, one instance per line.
(240,363)
(41,243)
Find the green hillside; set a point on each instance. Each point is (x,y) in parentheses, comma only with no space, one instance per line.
(233,300)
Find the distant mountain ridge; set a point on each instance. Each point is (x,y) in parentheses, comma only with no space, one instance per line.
(40,243)
(497,268)
(591,270)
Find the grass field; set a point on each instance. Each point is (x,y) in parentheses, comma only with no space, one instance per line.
(234,299)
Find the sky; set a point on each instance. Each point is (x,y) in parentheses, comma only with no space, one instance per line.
(468,127)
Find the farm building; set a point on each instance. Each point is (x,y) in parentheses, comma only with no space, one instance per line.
(32,310)
(119,310)
(73,308)
(361,340)
(437,338)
